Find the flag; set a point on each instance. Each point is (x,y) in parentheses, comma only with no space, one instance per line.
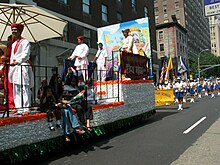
(169,67)
(162,73)
(182,67)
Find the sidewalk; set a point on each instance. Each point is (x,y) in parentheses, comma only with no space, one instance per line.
(205,151)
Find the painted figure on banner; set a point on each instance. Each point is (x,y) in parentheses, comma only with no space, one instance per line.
(21,74)
(128,43)
(80,54)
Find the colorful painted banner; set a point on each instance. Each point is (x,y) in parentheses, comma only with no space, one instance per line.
(133,66)
(164,97)
(112,39)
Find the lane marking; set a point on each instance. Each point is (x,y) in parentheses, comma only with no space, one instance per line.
(194,125)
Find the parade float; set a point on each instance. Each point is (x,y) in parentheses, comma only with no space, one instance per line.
(121,101)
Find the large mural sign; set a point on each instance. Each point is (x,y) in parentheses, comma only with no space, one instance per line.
(112,39)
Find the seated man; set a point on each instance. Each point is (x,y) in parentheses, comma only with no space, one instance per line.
(69,119)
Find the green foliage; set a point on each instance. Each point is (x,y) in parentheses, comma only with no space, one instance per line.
(206,60)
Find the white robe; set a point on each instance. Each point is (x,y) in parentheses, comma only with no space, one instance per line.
(21,75)
(82,51)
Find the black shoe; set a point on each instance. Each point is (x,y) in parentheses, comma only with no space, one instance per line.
(51,128)
(58,126)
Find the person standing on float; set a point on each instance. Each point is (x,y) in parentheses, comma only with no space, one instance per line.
(81,53)
(21,74)
(7,84)
(100,59)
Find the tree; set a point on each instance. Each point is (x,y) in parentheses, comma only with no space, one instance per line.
(206,59)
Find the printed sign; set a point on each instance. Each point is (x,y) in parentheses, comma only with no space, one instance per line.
(212,7)
(133,66)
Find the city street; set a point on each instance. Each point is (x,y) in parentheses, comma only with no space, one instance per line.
(162,140)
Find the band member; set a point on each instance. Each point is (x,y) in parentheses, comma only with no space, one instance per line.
(212,89)
(199,90)
(192,91)
(205,86)
(217,86)
(179,93)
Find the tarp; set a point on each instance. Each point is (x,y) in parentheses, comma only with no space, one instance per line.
(164,97)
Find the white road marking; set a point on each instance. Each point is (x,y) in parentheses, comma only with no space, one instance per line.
(194,125)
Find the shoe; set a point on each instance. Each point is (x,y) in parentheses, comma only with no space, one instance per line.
(58,126)
(79,131)
(181,109)
(51,128)
(89,128)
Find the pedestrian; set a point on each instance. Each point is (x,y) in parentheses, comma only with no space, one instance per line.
(100,59)
(21,74)
(80,54)
(179,93)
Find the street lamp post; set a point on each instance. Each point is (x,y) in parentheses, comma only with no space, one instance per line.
(199,71)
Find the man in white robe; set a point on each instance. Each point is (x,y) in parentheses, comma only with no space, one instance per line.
(100,59)
(81,53)
(21,74)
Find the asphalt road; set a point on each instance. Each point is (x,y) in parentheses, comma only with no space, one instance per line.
(159,141)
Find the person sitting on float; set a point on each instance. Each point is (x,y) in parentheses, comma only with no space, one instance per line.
(48,105)
(69,119)
(83,109)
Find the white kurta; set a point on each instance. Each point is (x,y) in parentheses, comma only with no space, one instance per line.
(101,56)
(21,75)
(82,51)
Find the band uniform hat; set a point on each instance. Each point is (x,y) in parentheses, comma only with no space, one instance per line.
(178,78)
(19,26)
(81,37)
(126,30)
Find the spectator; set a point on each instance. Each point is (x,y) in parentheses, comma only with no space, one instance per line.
(42,88)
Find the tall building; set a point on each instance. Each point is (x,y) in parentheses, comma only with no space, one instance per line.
(214,23)
(189,14)
(85,16)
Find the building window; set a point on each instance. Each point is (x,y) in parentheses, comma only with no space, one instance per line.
(162,47)
(160,34)
(104,13)
(86,6)
(177,5)
(165,15)
(133,4)
(119,17)
(164,9)
(63,1)
(87,35)
(145,11)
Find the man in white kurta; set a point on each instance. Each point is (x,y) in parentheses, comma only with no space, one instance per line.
(100,59)
(21,74)
(81,53)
